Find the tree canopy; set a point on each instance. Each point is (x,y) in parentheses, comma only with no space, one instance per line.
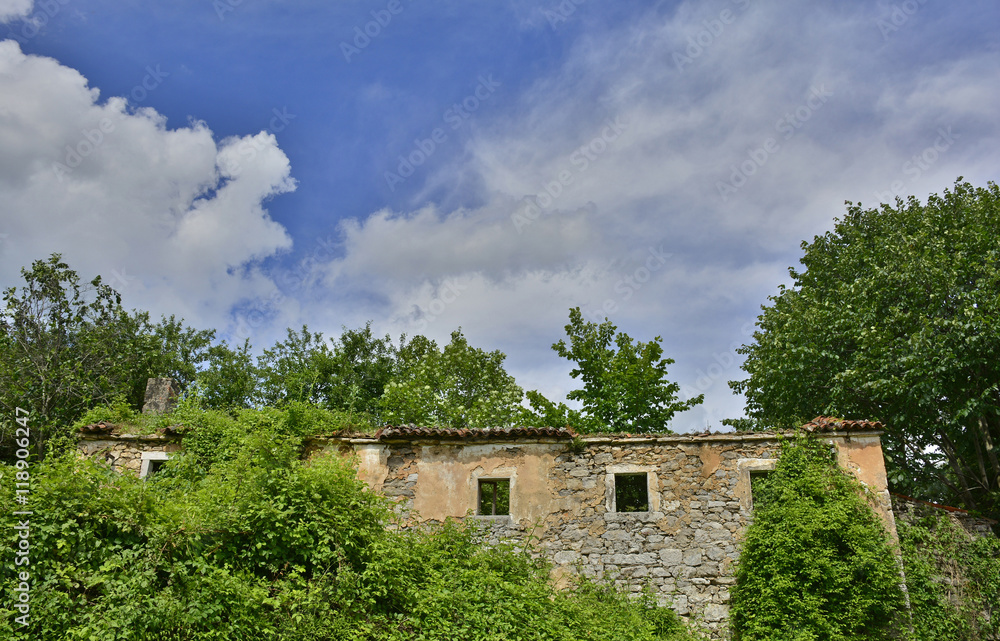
(624,390)
(896,317)
(67,347)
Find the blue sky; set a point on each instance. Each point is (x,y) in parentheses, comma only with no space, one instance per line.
(253,165)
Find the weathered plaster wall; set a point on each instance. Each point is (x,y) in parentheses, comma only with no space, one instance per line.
(685,546)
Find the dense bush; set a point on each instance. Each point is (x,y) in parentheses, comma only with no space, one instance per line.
(953,580)
(816,562)
(238,538)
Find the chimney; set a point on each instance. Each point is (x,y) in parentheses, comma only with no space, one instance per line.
(161,395)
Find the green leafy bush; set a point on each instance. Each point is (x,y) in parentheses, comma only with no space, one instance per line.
(816,562)
(239,538)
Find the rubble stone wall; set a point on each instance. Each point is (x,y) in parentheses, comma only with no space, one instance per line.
(124,453)
(684,547)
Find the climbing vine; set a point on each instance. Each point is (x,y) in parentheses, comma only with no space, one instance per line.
(816,563)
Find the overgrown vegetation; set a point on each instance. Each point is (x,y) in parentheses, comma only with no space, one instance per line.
(816,563)
(239,538)
(953,579)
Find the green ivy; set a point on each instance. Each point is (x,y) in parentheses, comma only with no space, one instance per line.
(816,562)
(953,580)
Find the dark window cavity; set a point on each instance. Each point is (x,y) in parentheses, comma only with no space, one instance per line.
(494,497)
(631,493)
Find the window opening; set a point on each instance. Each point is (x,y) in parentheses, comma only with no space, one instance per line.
(494,497)
(154,466)
(631,493)
(757,480)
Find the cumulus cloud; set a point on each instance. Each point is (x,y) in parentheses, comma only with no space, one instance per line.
(170,217)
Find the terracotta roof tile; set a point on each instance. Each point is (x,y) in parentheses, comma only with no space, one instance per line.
(413,431)
(100,427)
(830,424)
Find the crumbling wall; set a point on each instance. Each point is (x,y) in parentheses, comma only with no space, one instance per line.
(124,453)
(685,546)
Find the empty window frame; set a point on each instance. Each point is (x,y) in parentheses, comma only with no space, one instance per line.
(631,493)
(151,462)
(494,497)
(757,478)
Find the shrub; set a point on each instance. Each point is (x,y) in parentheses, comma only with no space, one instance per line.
(816,562)
(240,539)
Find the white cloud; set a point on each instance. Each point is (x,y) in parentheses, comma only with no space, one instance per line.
(12,9)
(171,218)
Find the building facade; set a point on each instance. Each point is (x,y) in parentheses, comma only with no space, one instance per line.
(663,511)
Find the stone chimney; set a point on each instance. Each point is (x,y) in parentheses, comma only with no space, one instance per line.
(161,395)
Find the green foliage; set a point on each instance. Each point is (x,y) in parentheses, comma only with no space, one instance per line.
(458,386)
(953,580)
(896,317)
(624,390)
(816,562)
(240,538)
(67,346)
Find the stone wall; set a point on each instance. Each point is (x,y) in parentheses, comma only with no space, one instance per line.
(124,453)
(563,496)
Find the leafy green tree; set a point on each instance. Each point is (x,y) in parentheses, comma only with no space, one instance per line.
(363,365)
(624,390)
(67,346)
(300,368)
(458,386)
(229,380)
(896,317)
(816,562)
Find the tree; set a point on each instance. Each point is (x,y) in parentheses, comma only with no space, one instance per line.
(625,390)
(896,317)
(458,386)
(816,562)
(363,365)
(67,346)
(300,368)
(229,380)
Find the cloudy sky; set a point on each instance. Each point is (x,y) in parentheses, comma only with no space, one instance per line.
(252,165)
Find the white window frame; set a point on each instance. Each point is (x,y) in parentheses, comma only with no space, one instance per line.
(743,468)
(148,458)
